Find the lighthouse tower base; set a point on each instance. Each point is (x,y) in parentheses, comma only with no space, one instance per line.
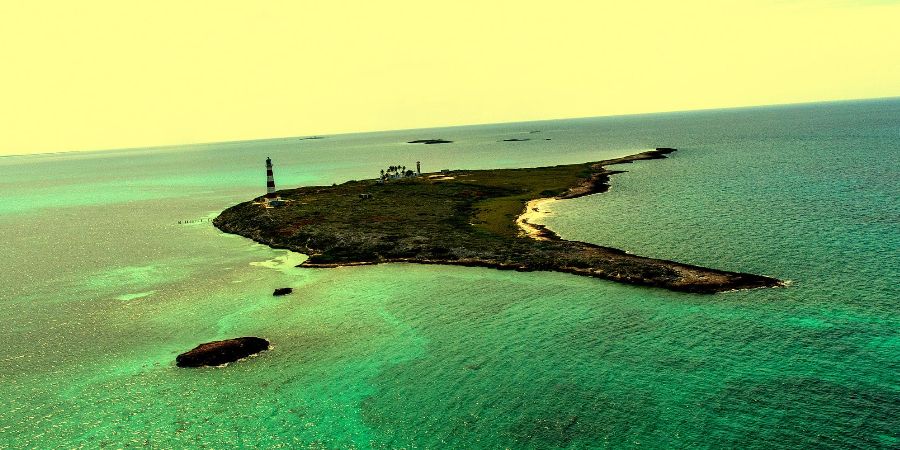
(272,202)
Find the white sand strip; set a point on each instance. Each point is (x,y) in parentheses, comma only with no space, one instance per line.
(534,212)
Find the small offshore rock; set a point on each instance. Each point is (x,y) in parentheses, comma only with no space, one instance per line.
(282,291)
(430,141)
(217,353)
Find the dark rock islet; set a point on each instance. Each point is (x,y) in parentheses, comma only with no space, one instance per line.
(217,353)
(282,291)
(430,141)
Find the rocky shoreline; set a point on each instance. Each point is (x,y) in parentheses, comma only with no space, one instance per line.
(695,279)
(598,182)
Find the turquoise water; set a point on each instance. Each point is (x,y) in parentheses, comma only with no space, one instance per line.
(100,288)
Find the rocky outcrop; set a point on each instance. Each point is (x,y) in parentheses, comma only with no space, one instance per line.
(282,291)
(217,353)
(430,141)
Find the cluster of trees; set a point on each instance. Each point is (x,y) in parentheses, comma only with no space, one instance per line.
(396,172)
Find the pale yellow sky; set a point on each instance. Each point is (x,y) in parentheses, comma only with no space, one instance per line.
(81,75)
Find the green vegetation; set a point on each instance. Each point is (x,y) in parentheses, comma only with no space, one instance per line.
(462,217)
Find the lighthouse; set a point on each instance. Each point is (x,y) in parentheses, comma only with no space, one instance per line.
(418,167)
(272,199)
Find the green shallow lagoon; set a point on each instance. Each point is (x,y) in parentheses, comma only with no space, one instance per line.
(101,287)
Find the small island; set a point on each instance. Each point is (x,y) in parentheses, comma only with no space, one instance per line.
(282,291)
(464,217)
(217,353)
(430,141)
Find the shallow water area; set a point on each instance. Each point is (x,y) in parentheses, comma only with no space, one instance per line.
(111,268)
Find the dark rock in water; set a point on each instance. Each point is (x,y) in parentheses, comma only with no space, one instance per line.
(282,291)
(515,140)
(430,141)
(217,353)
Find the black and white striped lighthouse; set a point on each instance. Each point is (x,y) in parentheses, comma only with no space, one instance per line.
(272,199)
(270,179)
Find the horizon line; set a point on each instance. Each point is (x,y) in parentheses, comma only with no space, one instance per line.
(724,108)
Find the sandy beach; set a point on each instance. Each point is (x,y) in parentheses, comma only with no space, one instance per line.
(534,210)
